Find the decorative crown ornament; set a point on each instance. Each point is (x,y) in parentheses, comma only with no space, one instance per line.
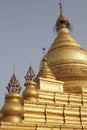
(30,74)
(13,85)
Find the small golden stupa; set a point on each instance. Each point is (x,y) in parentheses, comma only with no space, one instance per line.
(56,98)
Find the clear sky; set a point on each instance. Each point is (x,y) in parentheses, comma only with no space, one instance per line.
(26,26)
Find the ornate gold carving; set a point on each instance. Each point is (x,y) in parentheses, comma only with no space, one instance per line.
(73,89)
(70,72)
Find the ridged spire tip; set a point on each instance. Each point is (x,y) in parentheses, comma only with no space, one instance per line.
(60,4)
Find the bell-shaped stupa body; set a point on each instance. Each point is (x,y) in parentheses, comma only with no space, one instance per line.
(66,57)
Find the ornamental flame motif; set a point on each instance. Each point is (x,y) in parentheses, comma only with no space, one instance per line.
(13,85)
(30,74)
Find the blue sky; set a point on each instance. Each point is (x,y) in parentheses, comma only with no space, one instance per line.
(26,26)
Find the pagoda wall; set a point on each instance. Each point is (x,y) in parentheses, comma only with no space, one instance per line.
(63,98)
(57,108)
(30,126)
(53,111)
(76,86)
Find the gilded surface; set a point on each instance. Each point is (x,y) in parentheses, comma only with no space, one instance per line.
(48,108)
(45,71)
(30,93)
(70,71)
(69,59)
(12,110)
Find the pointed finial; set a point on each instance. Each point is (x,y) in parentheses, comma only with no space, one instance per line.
(60,4)
(13,85)
(30,74)
(13,69)
(44,50)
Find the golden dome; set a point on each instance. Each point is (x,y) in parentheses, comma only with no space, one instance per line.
(12,109)
(30,93)
(66,58)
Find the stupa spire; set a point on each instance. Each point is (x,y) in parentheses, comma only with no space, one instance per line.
(45,71)
(62,21)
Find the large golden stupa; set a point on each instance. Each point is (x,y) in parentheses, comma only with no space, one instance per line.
(56,98)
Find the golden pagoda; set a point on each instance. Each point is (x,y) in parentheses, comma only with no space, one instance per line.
(56,98)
